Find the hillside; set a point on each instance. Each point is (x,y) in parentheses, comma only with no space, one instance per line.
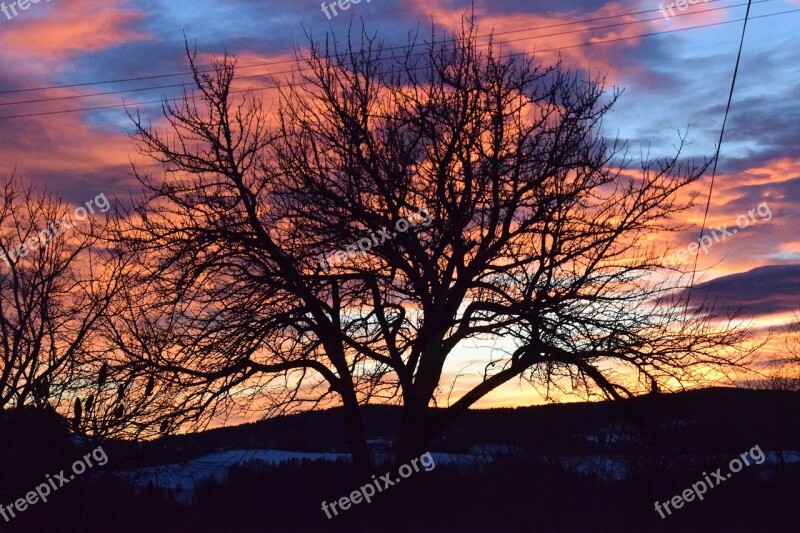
(714,420)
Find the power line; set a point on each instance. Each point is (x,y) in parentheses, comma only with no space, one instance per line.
(172,86)
(403,47)
(716,156)
(606,41)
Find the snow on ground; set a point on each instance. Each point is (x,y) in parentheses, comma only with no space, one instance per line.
(611,468)
(182,478)
(605,467)
(788,457)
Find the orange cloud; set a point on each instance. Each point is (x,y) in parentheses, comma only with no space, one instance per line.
(49,33)
(558,35)
(58,146)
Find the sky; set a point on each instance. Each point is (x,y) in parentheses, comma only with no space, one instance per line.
(57,55)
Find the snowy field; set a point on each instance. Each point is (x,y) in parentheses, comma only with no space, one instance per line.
(182,478)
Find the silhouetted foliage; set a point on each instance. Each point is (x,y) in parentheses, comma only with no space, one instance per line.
(535,215)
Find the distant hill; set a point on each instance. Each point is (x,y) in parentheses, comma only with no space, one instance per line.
(572,467)
(699,421)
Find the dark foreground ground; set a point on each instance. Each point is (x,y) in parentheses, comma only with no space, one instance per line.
(663,446)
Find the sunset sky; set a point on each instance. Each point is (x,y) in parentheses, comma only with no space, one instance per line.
(676,80)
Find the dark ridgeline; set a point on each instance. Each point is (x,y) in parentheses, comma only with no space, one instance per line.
(531,487)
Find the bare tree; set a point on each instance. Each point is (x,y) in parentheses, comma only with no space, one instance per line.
(60,283)
(142,397)
(54,291)
(789,375)
(782,373)
(538,235)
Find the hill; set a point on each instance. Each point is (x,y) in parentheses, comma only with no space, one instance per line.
(714,420)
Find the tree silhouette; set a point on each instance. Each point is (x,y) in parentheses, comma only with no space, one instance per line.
(782,372)
(57,297)
(52,298)
(539,236)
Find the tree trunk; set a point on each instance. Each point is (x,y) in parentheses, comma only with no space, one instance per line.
(356,437)
(415,433)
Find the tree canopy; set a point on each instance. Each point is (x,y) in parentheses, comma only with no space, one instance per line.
(539,233)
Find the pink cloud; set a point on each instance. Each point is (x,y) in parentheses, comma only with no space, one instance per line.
(48,33)
(558,35)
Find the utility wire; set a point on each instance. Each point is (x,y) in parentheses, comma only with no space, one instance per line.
(716,156)
(403,47)
(628,23)
(606,41)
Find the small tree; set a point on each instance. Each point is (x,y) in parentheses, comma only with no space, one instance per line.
(55,288)
(59,286)
(782,373)
(538,235)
